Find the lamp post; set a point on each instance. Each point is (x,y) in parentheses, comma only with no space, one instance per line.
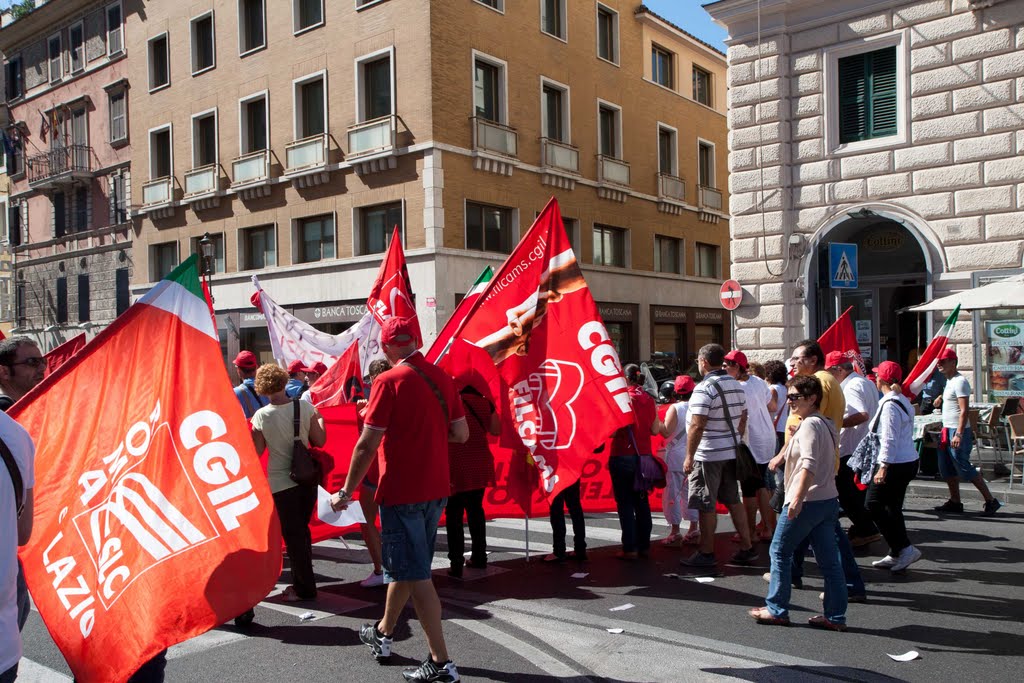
(206,251)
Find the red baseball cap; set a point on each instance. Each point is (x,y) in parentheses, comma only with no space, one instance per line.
(888,371)
(296,366)
(318,367)
(835,358)
(947,354)
(737,357)
(397,330)
(684,384)
(246,360)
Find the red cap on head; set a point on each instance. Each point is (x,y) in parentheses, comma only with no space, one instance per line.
(737,357)
(296,366)
(834,358)
(888,371)
(684,384)
(397,331)
(947,354)
(318,367)
(246,360)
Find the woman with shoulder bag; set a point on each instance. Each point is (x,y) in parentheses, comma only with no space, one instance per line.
(273,428)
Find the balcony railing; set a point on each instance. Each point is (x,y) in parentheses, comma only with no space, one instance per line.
(377,136)
(251,168)
(670,187)
(490,136)
(157,191)
(60,163)
(310,152)
(611,170)
(201,180)
(709,198)
(559,155)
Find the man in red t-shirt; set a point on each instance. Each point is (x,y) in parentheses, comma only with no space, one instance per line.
(414,411)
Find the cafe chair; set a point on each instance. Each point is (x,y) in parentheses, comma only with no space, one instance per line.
(991,433)
(1016,443)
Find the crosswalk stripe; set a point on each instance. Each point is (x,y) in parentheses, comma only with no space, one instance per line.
(327,604)
(33,672)
(207,641)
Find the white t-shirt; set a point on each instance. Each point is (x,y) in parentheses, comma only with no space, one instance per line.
(675,445)
(760,435)
(956,387)
(717,444)
(23,450)
(781,408)
(861,397)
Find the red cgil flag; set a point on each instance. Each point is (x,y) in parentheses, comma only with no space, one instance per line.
(540,326)
(342,383)
(64,352)
(391,295)
(842,337)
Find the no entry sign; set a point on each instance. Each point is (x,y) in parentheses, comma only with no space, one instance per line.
(731,295)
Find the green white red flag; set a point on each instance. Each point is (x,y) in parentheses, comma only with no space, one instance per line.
(153,521)
(925,365)
(444,337)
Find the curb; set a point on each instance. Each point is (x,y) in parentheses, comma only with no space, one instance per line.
(937,489)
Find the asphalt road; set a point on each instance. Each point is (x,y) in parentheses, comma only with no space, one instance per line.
(961,608)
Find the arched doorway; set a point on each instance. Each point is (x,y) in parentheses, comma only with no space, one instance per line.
(893,274)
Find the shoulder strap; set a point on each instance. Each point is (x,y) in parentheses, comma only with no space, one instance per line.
(782,404)
(19,484)
(296,422)
(433,388)
(725,409)
(878,415)
(255,397)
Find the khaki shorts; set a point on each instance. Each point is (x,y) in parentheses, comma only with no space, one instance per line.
(711,482)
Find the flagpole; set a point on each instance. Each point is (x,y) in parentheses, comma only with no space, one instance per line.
(527,537)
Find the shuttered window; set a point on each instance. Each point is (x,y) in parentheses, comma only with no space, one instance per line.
(867,96)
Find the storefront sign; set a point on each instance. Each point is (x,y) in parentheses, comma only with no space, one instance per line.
(1005,357)
(617,312)
(885,240)
(348,312)
(252,319)
(707,316)
(669,314)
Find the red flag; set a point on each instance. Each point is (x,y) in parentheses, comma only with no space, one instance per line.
(391,296)
(342,383)
(842,337)
(540,326)
(64,352)
(153,522)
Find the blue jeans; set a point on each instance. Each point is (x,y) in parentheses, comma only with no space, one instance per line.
(634,507)
(817,521)
(9,675)
(407,539)
(851,572)
(955,462)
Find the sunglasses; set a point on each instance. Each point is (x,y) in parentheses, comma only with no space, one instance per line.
(31,362)
(795,397)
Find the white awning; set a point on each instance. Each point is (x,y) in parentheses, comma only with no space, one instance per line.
(1008,293)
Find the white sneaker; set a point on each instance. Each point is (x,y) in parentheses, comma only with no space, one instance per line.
(886,562)
(908,556)
(373,580)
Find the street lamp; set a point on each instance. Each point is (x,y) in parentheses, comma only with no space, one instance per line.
(206,250)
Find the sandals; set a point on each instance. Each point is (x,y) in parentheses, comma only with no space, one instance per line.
(553,557)
(692,537)
(820,621)
(763,616)
(672,539)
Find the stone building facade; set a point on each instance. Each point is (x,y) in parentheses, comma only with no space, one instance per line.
(892,125)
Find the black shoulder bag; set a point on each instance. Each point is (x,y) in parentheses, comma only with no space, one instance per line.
(746,466)
(19,484)
(305,470)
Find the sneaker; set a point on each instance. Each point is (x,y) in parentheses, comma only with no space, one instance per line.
(745,557)
(373,580)
(990,508)
(908,556)
(699,559)
(859,541)
(886,562)
(379,644)
(950,506)
(430,670)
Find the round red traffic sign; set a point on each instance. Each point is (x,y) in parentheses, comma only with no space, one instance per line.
(731,295)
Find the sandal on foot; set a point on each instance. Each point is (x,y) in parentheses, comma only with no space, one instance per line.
(762,616)
(692,537)
(672,539)
(821,622)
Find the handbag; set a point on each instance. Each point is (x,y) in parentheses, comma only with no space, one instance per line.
(746,466)
(650,471)
(305,470)
(864,460)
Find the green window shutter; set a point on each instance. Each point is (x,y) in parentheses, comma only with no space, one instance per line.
(882,65)
(853,99)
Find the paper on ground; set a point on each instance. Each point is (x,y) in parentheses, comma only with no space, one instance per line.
(907,657)
(620,608)
(614,630)
(703,579)
(307,616)
(580,575)
(353,514)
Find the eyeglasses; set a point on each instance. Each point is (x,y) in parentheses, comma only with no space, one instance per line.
(31,362)
(792,398)
(729,363)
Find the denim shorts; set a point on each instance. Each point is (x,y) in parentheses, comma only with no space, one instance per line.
(407,539)
(956,462)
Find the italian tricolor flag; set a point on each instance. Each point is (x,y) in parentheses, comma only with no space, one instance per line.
(444,338)
(925,366)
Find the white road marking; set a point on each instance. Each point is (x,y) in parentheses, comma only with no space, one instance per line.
(31,672)
(207,641)
(326,604)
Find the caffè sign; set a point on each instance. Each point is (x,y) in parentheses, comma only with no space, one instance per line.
(884,240)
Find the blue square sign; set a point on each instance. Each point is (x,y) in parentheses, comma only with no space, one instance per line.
(842,265)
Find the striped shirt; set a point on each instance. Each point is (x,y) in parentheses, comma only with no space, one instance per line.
(717,442)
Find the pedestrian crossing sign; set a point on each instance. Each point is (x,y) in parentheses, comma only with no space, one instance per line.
(842,265)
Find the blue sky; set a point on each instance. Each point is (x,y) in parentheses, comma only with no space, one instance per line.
(689,15)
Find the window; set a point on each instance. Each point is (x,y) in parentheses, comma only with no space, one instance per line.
(114,43)
(160,164)
(14,224)
(159,62)
(608,130)
(310,108)
(661,67)
(204,139)
(375,83)
(489,228)
(488,90)
(609,246)
(81,199)
(307,14)
(121,291)
(705,164)
(701,86)
(377,225)
(259,247)
(607,34)
(555,111)
(254,124)
(76,47)
(667,157)
(15,78)
(707,260)
(61,315)
(204,52)
(15,153)
(666,254)
(83,297)
(315,238)
(163,258)
(251,26)
(217,263)
(56,59)
(60,214)
(552,17)
(867,96)
(572,231)
(118,199)
(117,107)
(494,4)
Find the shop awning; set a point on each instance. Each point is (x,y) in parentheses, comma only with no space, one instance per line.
(1008,293)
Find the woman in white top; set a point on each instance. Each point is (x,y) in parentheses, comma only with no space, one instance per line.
(777,378)
(897,466)
(673,501)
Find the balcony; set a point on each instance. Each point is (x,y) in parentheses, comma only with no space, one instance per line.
(495,146)
(202,187)
(158,197)
(372,145)
(709,198)
(612,178)
(250,174)
(59,167)
(671,194)
(560,163)
(305,161)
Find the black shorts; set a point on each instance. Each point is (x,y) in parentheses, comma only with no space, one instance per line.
(750,487)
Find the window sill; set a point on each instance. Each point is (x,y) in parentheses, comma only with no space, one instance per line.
(556,37)
(872,145)
(361,7)
(118,144)
(493,9)
(252,51)
(158,88)
(607,61)
(200,72)
(307,29)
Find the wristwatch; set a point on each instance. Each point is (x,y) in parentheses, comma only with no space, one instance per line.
(343,494)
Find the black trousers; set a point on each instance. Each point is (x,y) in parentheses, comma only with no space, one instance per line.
(294,508)
(885,503)
(470,503)
(568,498)
(851,499)
(634,507)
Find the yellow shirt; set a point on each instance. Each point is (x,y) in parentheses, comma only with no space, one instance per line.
(833,406)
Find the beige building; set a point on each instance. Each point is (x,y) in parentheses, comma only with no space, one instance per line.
(297,134)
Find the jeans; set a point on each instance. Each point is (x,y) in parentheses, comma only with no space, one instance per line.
(633,506)
(568,498)
(24,604)
(851,499)
(9,675)
(407,533)
(816,521)
(294,509)
(885,503)
(472,504)
(152,671)
(851,572)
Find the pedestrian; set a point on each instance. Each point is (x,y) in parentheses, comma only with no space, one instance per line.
(861,397)
(777,378)
(368,489)
(758,370)
(414,412)
(273,428)
(313,373)
(957,440)
(759,436)
(932,390)
(471,466)
(897,461)
(811,510)
(296,379)
(245,366)
(629,443)
(675,499)
(567,499)
(718,415)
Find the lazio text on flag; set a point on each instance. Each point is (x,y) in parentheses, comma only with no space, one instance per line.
(153,521)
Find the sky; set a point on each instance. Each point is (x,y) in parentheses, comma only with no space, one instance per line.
(690,16)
